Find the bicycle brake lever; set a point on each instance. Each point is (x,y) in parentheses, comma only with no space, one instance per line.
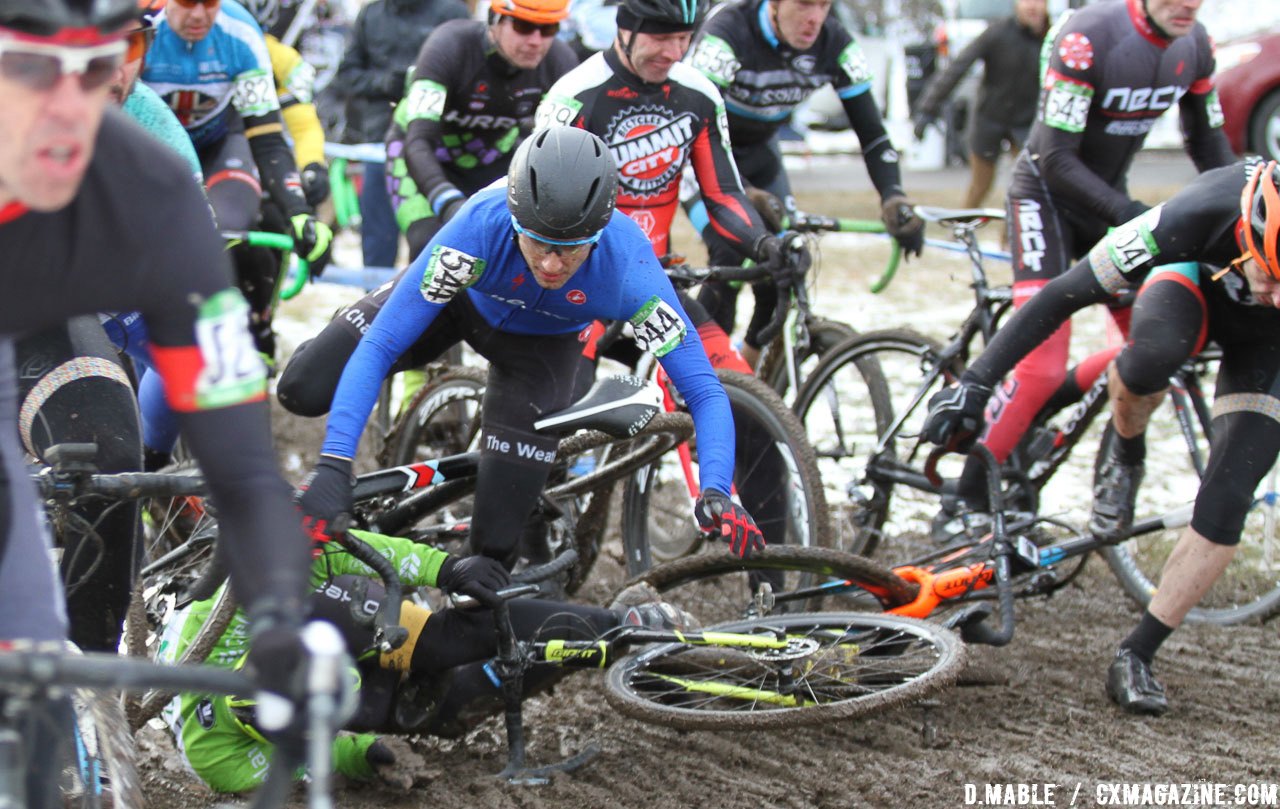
(392,638)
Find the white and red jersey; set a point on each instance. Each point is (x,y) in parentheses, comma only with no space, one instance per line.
(654,131)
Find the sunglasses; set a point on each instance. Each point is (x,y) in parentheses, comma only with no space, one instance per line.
(39,66)
(137,43)
(544,246)
(525,28)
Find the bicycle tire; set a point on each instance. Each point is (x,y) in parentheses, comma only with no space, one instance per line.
(1248,591)
(442,418)
(142,710)
(717,586)
(824,335)
(105,751)
(775,474)
(611,459)
(849,406)
(858,664)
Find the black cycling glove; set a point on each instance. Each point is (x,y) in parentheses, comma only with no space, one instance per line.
(901,222)
(955,415)
(477,576)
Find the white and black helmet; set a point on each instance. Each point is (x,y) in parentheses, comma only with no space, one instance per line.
(562,185)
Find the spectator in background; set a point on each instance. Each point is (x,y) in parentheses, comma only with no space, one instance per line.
(1010,54)
(385,41)
(591,26)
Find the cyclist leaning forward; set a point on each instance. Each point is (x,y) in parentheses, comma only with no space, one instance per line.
(1112,69)
(1227,217)
(210,63)
(767,56)
(469,105)
(73,176)
(518,274)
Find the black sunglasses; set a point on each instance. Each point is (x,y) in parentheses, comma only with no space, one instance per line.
(524,28)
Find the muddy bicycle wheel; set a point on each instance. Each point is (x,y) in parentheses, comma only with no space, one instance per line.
(104,771)
(715,586)
(835,666)
(775,476)
(862,408)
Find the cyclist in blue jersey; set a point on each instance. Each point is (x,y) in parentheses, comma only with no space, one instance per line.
(517,274)
(209,62)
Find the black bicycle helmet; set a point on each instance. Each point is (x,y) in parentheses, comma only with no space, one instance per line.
(46,18)
(562,185)
(661,16)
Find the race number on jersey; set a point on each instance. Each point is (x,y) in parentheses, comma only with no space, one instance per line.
(659,329)
(448,272)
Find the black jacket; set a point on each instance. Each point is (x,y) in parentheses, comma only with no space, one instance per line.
(384,44)
(1010,88)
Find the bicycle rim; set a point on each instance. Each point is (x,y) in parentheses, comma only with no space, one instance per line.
(837,666)
(851,400)
(591,463)
(775,477)
(1249,589)
(716,586)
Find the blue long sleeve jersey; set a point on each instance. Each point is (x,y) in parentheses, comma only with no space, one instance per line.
(477,254)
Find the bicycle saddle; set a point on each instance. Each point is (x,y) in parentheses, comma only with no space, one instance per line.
(619,405)
(958,216)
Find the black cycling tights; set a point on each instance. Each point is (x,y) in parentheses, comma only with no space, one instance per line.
(530,375)
(454,646)
(74,389)
(1169,325)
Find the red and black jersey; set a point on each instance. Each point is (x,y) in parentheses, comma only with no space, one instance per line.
(1109,75)
(138,236)
(653,131)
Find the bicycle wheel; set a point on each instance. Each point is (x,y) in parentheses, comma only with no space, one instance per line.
(593,463)
(443,418)
(775,476)
(1249,589)
(180,534)
(716,586)
(104,772)
(862,408)
(824,335)
(836,666)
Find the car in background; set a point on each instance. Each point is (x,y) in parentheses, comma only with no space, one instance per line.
(1248,81)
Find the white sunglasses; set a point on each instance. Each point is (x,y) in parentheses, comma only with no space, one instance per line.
(38,66)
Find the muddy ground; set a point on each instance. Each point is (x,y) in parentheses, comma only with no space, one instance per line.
(1040,715)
